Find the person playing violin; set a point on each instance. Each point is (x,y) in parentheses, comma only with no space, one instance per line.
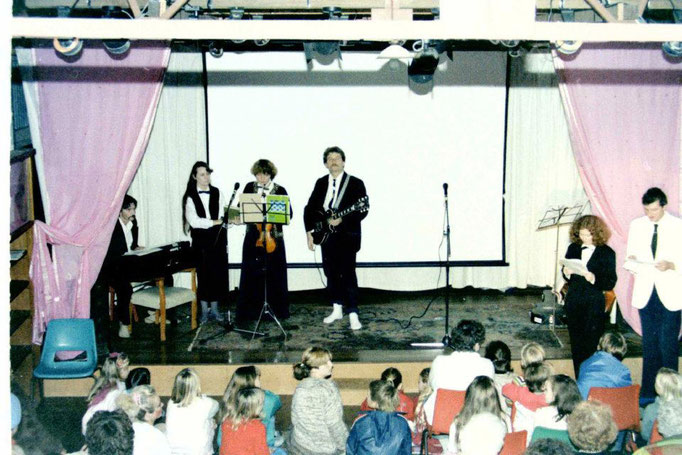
(258,245)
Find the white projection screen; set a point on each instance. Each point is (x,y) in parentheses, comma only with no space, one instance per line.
(403,145)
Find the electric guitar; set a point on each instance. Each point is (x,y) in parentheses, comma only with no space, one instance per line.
(322,229)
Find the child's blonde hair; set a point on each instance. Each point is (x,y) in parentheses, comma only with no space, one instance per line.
(242,378)
(532,353)
(384,395)
(668,384)
(186,387)
(108,375)
(249,406)
(139,402)
(313,357)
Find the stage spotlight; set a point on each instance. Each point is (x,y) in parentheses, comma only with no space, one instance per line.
(215,49)
(322,51)
(510,43)
(423,66)
(568,47)
(117,46)
(673,48)
(68,46)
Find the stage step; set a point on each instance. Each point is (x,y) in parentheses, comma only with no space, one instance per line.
(353,378)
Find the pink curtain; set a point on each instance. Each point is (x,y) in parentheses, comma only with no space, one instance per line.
(95,116)
(622,102)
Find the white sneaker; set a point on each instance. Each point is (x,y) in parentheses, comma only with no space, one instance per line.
(151,319)
(354,321)
(123,331)
(336,314)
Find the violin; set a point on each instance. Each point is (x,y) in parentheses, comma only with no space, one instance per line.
(266,237)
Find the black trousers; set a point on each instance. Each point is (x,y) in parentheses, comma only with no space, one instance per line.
(338,262)
(660,332)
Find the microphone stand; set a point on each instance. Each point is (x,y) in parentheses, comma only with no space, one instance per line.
(446,338)
(227,324)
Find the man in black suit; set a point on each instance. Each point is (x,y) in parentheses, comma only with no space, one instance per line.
(123,239)
(338,191)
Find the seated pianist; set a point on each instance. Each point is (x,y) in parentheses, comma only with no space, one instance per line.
(123,240)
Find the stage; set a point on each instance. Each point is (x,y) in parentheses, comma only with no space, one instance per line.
(391,323)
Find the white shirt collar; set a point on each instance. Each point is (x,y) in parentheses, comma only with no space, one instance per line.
(338,179)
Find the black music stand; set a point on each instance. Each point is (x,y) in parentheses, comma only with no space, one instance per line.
(262,210)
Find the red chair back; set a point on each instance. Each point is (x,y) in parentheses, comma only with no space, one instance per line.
(624,403)
(514,443)
(448,405)
(655,435)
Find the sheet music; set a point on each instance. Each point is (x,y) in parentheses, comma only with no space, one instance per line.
(574,265)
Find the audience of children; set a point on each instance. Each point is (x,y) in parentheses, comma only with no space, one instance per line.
(455,371)
(591,428)
(390,421)
(406,404)
(107,387)
(481,397)
(500,355)
(562,396)
(190,424)
(530,397)
(249,377)
(604,367)
(380,430)
(668,387)
(242,431)
(143,406)
(317,425)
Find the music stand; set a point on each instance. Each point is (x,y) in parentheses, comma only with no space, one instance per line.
(274,209)
(555,217)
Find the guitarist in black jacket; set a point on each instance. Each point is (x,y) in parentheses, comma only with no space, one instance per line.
(338,191)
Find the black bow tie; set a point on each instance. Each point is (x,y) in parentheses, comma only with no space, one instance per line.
(204,192)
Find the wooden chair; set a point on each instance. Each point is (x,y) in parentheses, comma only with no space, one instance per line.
(514,443)
(112,298)
(448,404)
(163,298)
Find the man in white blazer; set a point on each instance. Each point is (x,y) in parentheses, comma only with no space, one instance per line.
(654,256)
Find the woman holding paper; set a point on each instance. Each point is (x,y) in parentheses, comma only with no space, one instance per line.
(593,272)
(263,249)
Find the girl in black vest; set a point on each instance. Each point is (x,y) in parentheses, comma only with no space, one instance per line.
(202,207)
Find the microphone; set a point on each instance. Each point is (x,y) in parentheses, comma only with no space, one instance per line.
(445,190)
(234,193)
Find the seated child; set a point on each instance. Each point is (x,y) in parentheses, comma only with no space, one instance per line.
(107,387)
(143,406)
(244,378)
(382,430)
(500,355)
(562,395)
(420,415)
(668,387)
(530,397)
(406,404)
(530,353)
(242,431)
(481,398)
(604,367)
(189,419)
